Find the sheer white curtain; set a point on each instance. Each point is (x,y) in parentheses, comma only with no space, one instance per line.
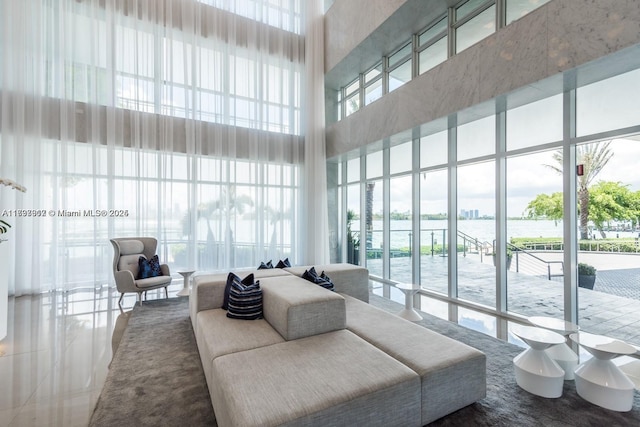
(178,119)
(316,220)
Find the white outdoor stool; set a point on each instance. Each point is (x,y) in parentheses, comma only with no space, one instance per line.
(561,353)
(535,371)
(599,380)
(408,312)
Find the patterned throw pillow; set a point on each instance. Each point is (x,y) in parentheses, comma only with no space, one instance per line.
(266,266)
(245,301)
(149,268)
(230,279)
(283,264)
(322,280)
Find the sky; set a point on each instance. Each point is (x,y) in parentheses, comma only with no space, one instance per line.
(526,177)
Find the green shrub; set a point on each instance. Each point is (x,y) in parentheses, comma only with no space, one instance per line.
(586,269)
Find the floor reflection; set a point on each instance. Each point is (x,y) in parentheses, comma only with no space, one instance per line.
(57,352)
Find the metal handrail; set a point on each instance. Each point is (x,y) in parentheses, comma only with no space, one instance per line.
(517,250)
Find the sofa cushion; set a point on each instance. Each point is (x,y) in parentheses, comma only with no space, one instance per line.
(453,374)
(153,282)
(245,300)
(283,263)
(129,262)
(249,280)
(323,280)
(315,381)
(208,289)
(297,308)
(348,279)
(130,247)
(265,266)
(217,335)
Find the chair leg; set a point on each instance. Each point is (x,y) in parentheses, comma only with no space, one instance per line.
(166,292)
(120,300)
(140,298)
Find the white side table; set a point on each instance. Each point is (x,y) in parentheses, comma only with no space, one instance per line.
(599,380)
(185,288)
(631,366)
(561,353)
(408,312)
(535,371)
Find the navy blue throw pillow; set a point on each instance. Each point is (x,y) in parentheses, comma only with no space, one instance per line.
(231,278)
(266,266)
(283,264)
(245,300)
(322,280)
(149,267)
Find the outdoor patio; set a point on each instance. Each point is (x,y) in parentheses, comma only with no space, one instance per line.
(601,311)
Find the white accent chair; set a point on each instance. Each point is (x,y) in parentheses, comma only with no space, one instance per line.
(127,251)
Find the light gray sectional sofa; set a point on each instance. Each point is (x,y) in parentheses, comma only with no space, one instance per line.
(322,358)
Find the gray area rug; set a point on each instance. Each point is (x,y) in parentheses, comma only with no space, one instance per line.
(156,379)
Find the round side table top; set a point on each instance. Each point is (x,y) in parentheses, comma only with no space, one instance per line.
(602,347)
(537,338)
(556,325)
(407,287)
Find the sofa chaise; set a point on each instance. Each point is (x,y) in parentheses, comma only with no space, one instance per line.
(321,358)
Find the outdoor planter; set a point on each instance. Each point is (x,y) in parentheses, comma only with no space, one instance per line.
(509,258)
(586,276)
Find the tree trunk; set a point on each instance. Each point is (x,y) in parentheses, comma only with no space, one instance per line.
(583,201)
(369,214)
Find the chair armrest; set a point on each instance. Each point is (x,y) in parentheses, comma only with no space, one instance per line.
(164,268)
(125,282)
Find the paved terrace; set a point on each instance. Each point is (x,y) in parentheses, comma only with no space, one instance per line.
(612,308)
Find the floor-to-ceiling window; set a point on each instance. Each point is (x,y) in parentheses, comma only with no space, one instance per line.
(534,242)
(400,212)
(353,214)
(181,123)
(607,194)
(476,233)
(513,171)
(434,211)
(476,209)
(534,205)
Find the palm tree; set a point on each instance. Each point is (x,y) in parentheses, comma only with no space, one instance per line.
(369,213)
(4,226)
(353,243)
(223,208)
(593,158)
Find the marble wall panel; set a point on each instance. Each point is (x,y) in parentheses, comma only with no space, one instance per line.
(514,56)
(583,30)
(443,90)
(557,37)
(345,27)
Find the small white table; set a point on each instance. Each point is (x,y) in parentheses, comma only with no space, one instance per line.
(185,288)
(561,353)
(535,371)
(408,312)
(599,380)
(630,365)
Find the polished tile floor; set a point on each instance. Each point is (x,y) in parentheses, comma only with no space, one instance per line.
(55,358)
